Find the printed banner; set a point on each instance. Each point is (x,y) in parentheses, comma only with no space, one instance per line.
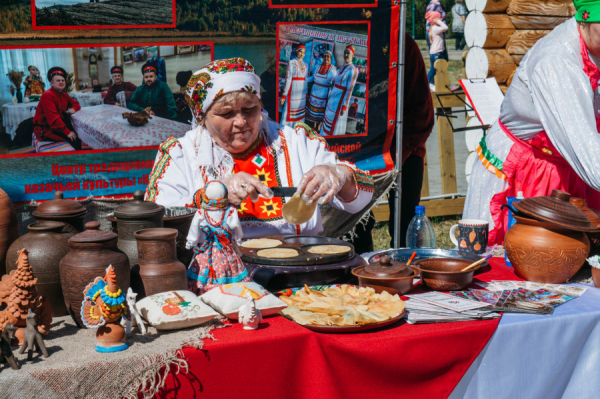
(347,95)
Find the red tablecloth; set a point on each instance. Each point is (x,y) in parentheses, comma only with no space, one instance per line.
(284,360)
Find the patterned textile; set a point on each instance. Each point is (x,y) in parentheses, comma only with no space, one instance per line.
(587,10)
(322,80)
(103,126)
(34,87)
(216,79)
(49,146)
(261,164)
(334,123)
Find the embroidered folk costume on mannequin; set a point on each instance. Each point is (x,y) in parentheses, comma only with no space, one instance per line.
(34,85)
(547,135)
(322,82)
(294,93)
(336,111)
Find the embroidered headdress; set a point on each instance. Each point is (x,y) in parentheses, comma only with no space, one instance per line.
(216,79)
(587,10)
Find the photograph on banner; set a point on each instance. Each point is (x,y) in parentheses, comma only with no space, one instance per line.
(322,3)
(57,99)
(94,14)
(321,77)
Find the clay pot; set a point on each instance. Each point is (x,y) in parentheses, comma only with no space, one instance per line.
(444,274)
(91,252)
(110,338)
(9,228)
(62,210)
(386,275)
(47,244)
(596,276)
(133,216)
(160,270)
(545,252)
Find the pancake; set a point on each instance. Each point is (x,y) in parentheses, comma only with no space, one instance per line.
(295,211)
(260,243)
(278,253)
(329,249)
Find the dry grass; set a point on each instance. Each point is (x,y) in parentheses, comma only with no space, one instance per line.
(441,226)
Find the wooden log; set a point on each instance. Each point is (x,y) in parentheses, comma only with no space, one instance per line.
(425,186)
(488,30)
(522,40)
(510,78)
(536,22)
(488,5)
(553,8)
(485,63)
(517,58)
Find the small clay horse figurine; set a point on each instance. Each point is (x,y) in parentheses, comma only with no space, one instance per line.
(5,350)
(32,337)
(136,318)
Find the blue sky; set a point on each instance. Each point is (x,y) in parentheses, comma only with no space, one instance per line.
(47,3)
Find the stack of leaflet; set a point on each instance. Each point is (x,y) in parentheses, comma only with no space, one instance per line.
(438,307)
(522,296)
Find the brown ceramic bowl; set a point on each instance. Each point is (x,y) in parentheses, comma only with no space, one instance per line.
(444,274)
(393,285)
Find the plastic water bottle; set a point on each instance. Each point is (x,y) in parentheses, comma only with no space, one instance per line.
(420,232)
(511,220)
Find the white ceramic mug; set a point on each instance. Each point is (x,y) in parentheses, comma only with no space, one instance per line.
(472,235)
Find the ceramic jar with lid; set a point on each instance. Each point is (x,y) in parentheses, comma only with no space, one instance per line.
(548,243)
(133,216)
(160,270)
(386,275)
(91,252)
(47,244)
(9,228)
(62,210)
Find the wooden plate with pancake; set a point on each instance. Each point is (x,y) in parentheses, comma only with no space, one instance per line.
(345,329)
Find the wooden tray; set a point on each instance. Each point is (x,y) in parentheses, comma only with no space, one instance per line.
(301,244)
(348,329)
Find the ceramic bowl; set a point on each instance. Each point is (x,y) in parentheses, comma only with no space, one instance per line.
(444,274)
(393,285)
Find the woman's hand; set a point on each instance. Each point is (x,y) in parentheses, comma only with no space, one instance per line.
(72,135)
(243,185)
(322,182)
(71,111)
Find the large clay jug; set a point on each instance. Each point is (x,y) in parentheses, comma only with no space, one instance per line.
(9,228)
(47,245)
(91,252)
(160,270)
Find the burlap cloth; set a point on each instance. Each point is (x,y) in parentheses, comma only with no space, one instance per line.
(75,370)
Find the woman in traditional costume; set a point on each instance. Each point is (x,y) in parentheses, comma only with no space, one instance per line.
(234,141)
(34,85)
(294,93)
(547,136)
(336,111)
(322,81)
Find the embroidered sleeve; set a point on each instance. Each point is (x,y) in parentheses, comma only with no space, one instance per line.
(161,165)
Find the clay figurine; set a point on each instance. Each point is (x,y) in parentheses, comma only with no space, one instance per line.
(6,354)
(215,261)
(248,315)
(18,292)
(103,306)
(136,318)
(32,337)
